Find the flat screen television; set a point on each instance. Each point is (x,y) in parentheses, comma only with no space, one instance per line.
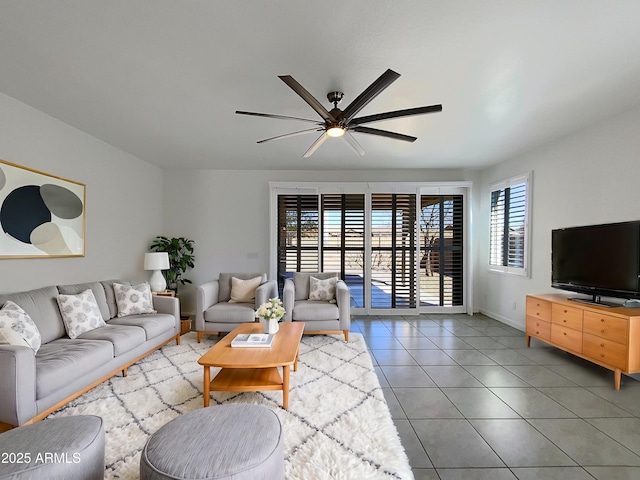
(597,260)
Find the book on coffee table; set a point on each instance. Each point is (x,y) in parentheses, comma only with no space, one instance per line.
(252,340)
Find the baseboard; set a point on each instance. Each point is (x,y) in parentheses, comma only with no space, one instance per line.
(505,320)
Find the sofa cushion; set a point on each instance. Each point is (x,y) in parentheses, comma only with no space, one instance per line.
(230,313)
(322,289)
(42,306)
(244,291)
(133,299)
(59,359)
(301,282)
(153,325)
(98,293)
(80,313)
(17,328)
(123,337)
(311,310)
(224,283)
(111,296)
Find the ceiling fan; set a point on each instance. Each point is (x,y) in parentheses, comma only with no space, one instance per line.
(340,123)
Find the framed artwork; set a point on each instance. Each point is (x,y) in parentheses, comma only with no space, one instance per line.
(41,215)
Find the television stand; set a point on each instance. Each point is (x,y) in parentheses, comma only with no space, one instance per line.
(595,300)
(609,337)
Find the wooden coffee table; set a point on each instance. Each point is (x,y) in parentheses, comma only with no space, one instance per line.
(253,369)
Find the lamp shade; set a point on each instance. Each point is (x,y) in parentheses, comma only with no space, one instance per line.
(156,261)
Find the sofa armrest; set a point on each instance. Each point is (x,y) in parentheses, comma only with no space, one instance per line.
(170,305)
(206,295)
(343,300)
(265,292)
(288,294)
(17,384)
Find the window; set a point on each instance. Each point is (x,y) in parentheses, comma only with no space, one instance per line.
(509,227)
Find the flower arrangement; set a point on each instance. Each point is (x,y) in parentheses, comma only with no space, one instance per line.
(271,310)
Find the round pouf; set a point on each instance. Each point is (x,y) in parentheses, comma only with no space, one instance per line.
(58,448)
(222,442)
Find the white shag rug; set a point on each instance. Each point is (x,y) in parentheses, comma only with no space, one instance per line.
(338,425)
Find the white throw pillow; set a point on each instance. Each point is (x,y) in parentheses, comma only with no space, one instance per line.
(244,291)
(133,299)
(17,327)
(80,313)
(322,289)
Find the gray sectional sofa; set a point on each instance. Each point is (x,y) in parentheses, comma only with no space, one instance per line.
(32,385)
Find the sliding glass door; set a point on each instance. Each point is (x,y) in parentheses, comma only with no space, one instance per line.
(398,252)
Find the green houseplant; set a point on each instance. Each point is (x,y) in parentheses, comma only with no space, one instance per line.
(181,257)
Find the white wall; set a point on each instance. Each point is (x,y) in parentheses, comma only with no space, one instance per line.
(590,177)
(124,199)
(226,213)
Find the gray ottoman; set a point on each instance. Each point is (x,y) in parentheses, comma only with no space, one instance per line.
(222,442)
(55,449)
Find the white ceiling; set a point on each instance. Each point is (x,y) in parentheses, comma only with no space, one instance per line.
(161,79)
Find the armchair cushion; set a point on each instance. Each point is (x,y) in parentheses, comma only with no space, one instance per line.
(310,310)
(244,291)
(230,313)
(301,282)
(224,283)
(322,289)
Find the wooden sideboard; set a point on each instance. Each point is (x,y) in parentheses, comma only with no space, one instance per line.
(609,337)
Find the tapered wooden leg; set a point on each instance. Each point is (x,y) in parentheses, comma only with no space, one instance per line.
(178,339)
(528,341)
(617,373)
(124,372)
(286,370)
(199,337)
(206,385)
(295,362)
(346,335)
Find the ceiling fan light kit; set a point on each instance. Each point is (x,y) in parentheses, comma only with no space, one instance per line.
(340,123)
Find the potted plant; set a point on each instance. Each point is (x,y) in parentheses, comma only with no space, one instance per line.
(181,257)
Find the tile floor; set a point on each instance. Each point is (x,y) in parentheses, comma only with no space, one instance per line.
(470,401)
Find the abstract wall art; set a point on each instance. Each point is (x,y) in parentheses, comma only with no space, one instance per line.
(41,215)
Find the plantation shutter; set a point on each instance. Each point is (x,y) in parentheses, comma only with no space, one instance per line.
(509,225)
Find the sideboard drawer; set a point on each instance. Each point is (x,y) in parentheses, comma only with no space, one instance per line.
(567,337)
(539,309)
(605,351)
(538,328)
(606,326)
(566,316)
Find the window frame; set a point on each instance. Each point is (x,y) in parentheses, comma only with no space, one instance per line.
(503,185)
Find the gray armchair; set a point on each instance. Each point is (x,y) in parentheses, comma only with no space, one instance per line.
(214,312)
(320,316)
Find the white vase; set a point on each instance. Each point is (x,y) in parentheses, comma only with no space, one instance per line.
(269,325)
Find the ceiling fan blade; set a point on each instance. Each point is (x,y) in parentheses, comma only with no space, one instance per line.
(372,91)
(384,133)
(353,143)
(287,135)
(398,113)
(307,97)
(315,145)
(280,117)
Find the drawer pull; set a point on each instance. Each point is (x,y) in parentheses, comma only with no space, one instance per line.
(602,345)
(565,320)
(602,320)
(602,355)
(537,332)
(538,313)
(537,324)
(565,311)
(602,331)
(564,333)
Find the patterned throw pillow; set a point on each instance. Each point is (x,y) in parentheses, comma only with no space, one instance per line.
(133,299)
(322,289)
(244,291)
(80,313)
(17,328)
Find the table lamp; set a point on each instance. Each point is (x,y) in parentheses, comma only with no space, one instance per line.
(156,261)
